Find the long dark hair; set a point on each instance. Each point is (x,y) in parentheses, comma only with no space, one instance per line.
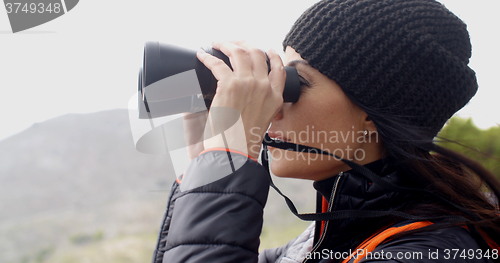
(471,191)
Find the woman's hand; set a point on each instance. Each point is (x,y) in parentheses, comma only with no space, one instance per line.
(249,89)
(194,125)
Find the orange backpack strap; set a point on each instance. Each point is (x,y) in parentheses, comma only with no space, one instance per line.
(371,243)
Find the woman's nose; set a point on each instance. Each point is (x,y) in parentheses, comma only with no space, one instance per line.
(279,115)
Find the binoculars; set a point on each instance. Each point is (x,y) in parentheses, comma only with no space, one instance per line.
(172,80)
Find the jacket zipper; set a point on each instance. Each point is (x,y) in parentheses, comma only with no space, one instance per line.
(330,204)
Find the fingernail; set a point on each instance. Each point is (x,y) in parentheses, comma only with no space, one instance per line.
(202,52)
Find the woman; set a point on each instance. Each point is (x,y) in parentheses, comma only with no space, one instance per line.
(379,80)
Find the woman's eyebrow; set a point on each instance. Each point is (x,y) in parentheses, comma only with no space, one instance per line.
(294,63)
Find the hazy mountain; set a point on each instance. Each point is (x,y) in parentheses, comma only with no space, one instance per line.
(72,175)
(77,179)
(75,160)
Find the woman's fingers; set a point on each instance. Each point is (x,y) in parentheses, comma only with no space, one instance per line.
(245,60)
(277,76)
(250,88)
(219,68)
(257,57)
(238,57)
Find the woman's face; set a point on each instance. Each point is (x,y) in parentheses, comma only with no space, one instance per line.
(325,118)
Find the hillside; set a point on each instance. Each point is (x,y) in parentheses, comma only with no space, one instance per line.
(74,189)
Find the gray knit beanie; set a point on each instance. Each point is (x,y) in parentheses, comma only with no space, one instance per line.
(405,58)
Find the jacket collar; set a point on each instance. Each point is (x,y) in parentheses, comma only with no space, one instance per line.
(325,186)
(355,192)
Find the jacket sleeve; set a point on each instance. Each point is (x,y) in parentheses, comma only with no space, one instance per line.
(292,252)
(162,235)
(272,255)
(218,221)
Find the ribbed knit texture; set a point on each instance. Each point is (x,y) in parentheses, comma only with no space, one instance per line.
(406,58)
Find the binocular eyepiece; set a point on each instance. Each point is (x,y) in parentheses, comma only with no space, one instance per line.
(172,80)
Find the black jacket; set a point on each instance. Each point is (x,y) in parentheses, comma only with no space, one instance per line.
(221,221)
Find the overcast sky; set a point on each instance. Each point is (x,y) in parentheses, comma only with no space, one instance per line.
(88,60)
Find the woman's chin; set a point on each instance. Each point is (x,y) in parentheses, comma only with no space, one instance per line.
(279,169)
(288,164)
(289,167)
(280,166)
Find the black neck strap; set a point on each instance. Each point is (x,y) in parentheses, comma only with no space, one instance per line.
(362,170)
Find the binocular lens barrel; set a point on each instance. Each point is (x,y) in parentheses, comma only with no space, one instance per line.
(171,78)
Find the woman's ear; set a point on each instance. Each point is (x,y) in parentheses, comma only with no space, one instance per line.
(369,125)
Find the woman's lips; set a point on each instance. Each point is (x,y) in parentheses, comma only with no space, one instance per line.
(277,136)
